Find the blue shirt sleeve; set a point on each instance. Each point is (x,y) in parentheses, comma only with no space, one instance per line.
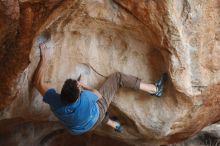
(49,96)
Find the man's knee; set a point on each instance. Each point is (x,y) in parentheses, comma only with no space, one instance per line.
(116,74)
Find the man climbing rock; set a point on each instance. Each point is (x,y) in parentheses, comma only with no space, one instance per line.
(81,108)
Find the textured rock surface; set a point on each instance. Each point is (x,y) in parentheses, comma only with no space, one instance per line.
(142,38)
(209,136)
(22,132)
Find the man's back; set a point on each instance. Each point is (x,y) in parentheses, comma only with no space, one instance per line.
(78,117)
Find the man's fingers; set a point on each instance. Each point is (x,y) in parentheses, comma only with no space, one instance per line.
(43,48)
(79,78)
(79,83)
(42,45)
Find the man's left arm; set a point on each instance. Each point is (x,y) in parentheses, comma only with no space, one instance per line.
(96,92)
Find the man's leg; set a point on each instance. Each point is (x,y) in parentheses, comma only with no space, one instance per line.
(113,83)
(108,91)
(117,80)
(150,88)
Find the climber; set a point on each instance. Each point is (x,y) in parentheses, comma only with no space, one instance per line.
(81,108)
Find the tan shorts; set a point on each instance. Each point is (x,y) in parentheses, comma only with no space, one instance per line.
(109,89)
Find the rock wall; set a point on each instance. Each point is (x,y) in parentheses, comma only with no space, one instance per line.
(142,38)
(209,136)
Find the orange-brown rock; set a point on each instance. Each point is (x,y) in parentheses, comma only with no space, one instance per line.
(144,38)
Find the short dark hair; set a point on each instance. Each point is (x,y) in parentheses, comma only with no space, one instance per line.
(70,91)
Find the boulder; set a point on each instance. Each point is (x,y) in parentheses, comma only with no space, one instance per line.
(140,38)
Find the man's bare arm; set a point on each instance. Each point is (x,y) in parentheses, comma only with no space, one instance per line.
(40,72)
(91,89)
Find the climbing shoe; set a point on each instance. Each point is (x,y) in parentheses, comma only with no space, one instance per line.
(119,127)
(160,85)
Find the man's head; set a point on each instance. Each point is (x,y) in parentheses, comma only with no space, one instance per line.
(70,91)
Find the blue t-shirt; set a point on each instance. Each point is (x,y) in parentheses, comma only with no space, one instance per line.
(78,117)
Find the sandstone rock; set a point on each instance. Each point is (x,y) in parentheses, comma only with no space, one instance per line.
(207,137)
(22,132)
(142,38)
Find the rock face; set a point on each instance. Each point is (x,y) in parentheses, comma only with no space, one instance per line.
(209,136)
(142,38)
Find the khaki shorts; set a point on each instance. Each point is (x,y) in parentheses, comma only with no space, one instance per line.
(109,89)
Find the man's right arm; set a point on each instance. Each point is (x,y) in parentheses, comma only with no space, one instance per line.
(40,73)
